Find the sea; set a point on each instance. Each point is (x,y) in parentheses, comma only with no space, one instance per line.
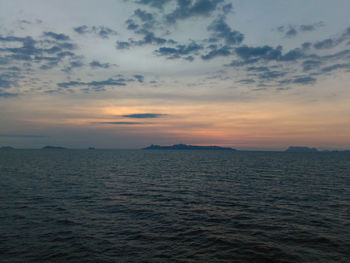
(174,206)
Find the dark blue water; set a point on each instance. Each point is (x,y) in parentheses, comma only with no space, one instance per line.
(174,206)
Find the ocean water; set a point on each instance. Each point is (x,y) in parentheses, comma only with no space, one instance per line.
(174,206)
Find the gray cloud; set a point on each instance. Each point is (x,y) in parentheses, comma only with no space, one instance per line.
(311,64)
(7,94)
(56,36)
(293,30)
(143,15)
(120,123)
(179,51)
(97,64)
(189,8)
(139,78)
(303,80)
(335,67)
(154,3)
(222,30)
(101,31)
(123,45)
(144,115)
(222,51)
(108,82)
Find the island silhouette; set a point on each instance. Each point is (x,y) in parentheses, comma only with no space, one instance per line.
(187,147)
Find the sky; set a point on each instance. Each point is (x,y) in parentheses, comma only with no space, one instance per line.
(130,73)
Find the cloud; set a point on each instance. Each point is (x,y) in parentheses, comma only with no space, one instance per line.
(332,42)
(222,30)
(50,52)
(311,64)
(327,43)
(264,52)
(143,15)
(56,36)
(73,65)
(101,31)
(293,30)
(188,8)
(107,82)
(120,123)
(179,51)
(7,94)
(222,51)
(335,67)
(139,78)
(123,45)
(303,80)
(246,81)
(154,3)
(144,115)
(97,64)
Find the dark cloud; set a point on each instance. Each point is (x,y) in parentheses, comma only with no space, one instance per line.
(293,30)
(303,80)
(269,75)
(56,36)
(123,45)
(108,82)
(227,8)
(154,3)
(307,27)
(131,24)
(139,78)
(264,52)
(179,51)
(257,69)
(97,64)
(333,42)
(72,65)
(292,55)
(150,38)
(144,115)
(9,77)
(189,8)
(223,51)
(143,15)
(247,81)
(223,31)
(311,64)
(7,94)
(327,43)
(50,52)
(120,123)
(335,67)
(81,29)
(101,31)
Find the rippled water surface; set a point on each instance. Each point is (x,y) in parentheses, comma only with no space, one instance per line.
(174,206)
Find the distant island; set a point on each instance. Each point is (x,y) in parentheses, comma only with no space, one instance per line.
(301,149)
(187,147)
(49,147)
(6,148)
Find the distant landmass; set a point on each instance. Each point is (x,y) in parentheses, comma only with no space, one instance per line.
(6,148)
(187,147)
(49,147)
(301,149)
